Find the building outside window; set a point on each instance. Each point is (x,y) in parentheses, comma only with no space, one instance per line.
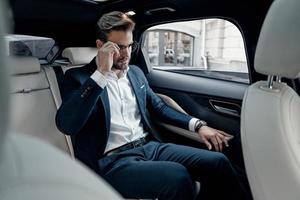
(213,45)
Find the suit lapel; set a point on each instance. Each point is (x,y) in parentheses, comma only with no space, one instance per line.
(139,90)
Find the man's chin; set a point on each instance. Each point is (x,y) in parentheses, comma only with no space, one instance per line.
(120,66)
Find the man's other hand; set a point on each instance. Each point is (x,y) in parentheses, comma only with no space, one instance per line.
(213,137)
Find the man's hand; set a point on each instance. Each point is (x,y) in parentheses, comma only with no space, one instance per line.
(106,56)
(211,136)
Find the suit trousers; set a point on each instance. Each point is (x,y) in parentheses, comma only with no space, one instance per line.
(168,171)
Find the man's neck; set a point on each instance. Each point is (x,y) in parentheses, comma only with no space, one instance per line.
(120,73)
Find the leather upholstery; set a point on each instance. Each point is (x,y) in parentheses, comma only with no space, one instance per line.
(33,107)
(270,137)
(24,65)
(33,170)
(278,51)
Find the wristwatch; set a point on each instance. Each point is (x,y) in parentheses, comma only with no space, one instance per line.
(199,124)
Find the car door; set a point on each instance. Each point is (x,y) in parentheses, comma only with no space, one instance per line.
(208,83)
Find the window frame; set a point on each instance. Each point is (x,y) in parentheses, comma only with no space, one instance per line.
(247,80)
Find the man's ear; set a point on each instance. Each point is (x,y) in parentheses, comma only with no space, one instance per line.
(99,43)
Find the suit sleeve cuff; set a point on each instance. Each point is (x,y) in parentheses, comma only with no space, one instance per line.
(99,78)
(192,124)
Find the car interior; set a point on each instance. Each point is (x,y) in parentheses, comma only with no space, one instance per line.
(49,37)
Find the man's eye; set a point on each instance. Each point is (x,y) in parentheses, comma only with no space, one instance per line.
(122,47)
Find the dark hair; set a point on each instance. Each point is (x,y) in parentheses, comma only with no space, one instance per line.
(115,20)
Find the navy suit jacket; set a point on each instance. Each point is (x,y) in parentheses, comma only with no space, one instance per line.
(85,111)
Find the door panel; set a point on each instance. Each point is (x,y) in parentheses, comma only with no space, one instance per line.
(217,102)
(202,98)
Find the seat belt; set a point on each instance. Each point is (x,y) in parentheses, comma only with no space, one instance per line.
(51,77)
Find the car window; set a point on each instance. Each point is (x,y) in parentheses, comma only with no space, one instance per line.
(210,47)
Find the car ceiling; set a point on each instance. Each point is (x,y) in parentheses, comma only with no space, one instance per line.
(72,22)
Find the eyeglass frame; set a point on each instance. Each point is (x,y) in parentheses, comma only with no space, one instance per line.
(134,46)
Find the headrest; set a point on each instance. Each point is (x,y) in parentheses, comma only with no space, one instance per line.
(278,48)
(25,45)
(79,55)
(23,65)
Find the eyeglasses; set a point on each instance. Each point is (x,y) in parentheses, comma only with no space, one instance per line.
(134,45)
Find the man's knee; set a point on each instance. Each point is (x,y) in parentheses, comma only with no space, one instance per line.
(179,181)
(179,175)
(222,159)
(219,161)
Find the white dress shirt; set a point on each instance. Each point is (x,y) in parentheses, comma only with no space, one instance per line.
(126,125)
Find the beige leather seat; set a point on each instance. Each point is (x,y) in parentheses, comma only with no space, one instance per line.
(32,169)
(34,101)
(271,110)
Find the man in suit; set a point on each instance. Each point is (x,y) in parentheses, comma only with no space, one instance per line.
(108,109)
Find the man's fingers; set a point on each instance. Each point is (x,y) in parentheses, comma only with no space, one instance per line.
(116,51)
(111,48)
(226,142)
(220,142)
(223,138)
(215,143)
(109,43)
(207,143)
(226,134)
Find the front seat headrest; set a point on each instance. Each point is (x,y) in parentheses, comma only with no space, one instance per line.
(278,48)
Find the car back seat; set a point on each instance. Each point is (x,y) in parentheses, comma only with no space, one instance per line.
(34,101)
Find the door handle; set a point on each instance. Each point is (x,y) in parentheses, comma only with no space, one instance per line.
(227,108)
